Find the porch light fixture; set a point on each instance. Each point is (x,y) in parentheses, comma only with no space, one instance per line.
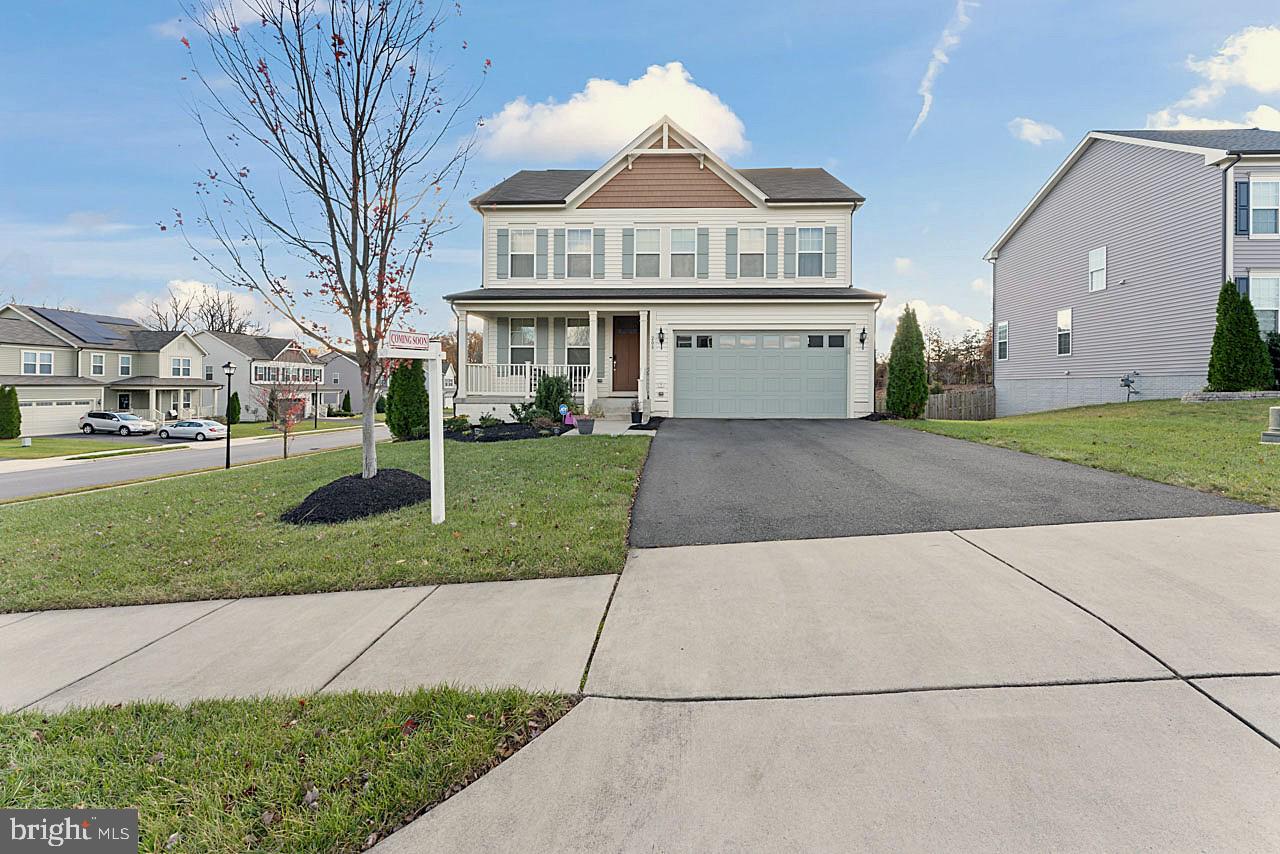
(862,338)
(662,337)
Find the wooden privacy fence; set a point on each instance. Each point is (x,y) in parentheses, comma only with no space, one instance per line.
(960,404)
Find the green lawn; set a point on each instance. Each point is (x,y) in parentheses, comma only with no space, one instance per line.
(1207,446)
(524,509)
(264,428)
(328,773)
(51,446)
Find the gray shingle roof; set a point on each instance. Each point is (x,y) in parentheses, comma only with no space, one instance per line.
(256,346)
(18,331)
(1233,140)
(166,382)
(103,332)
(560,292)
(553,186)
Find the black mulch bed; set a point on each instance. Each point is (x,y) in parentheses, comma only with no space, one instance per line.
(880,416)
(503,433)
(354,497)
(653,423)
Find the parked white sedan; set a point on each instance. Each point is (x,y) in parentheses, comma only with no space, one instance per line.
(196,428)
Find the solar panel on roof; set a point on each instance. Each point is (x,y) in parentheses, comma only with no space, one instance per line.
(86,327)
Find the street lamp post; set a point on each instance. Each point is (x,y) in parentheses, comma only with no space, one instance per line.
(229,369)
(315,405)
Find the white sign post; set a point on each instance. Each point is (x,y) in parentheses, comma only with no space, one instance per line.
(415,345)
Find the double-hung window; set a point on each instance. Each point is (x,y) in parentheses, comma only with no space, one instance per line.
(180,367)
(208,372)
(1264,206)
(684,247)
(521,254)
(37,362)
(809,251)
(1002,341)
(1264,293)
(522,340)
(1098,269)
(1064,332)
(577,341)
(751,252)
(648,252)
(126,366)
(578,249)
(97,364)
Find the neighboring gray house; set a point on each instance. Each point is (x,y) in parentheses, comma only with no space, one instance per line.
(342,376)
(261,361)
(1115,265)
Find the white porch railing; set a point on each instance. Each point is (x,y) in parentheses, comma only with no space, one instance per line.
(522,380)
(160,416)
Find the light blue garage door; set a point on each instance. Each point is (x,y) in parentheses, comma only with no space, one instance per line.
(761,374)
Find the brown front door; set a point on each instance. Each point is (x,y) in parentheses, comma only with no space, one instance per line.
(626,353)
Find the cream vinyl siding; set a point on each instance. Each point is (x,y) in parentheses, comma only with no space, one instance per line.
(64,359)
(715,220)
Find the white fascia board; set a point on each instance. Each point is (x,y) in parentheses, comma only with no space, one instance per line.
(624,306)
(1211,155)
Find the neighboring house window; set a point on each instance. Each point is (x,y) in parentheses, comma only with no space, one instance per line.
(335,379)
(578,250)
(684,247)
(751,252)
(97,364)
(39,362)
(1064,332)
(521,254)
(1264,206)
(809,251)
(1264,293)
(522,339)
(1098,269)
(259,373)
(126,366)
(208,372)
(648,252)
(577,341)
(1002,341)
(186,398)
(180,367)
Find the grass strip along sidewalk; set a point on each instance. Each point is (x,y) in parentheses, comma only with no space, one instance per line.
(1212,447)
(328,773)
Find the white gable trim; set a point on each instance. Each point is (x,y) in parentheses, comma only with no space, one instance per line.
(662,129)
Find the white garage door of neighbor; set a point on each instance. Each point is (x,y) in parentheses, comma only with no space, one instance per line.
(797,374)
(50,417)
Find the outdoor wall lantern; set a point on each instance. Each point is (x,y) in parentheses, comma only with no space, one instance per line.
(662,337)
(862,338)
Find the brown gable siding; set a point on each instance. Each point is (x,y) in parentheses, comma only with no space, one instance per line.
(668,181)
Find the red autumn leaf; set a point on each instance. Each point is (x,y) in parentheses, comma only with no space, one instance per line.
(185,43)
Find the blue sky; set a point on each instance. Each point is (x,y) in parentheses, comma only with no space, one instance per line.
(96,144)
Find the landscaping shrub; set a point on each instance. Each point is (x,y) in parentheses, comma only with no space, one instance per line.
(380,406)
(907,393)
(1239,359)
(407,399)
(1273,345)
(346,402)
(551,392)
(233,408)
(489,421)
(457,424)
(10,413)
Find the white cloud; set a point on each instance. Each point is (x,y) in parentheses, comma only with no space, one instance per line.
(902,266)
(606,114)
(1265,117)
(941,55)
(1034,132)
(950,322)
(1249,59)
(222,12)
(981,285)
(137,305)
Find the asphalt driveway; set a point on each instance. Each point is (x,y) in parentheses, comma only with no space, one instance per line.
(733,481)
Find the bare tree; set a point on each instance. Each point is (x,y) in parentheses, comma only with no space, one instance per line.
(349,100)
(171,313)
(285,404)
(219,311)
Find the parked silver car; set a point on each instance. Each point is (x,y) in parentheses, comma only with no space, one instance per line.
(194,428)
(124,423)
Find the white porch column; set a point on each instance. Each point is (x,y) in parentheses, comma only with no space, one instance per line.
(460,381)
(151,402)
(589,390)
(643,393)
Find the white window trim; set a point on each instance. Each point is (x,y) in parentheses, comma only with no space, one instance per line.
(1261,179)
(1093,269)
(101,373)
(671,253)
(590,253)
(636,253)
(22,365)
(1070,333)
(821,253)
(533,268)
(1003,326)
(763,253)
(124,358)
(532,346)
(175,370)
(1262,274)
(568,347)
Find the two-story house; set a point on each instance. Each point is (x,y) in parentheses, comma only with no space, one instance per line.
(262,363)
(65,363)
(1114,267)
(670,278)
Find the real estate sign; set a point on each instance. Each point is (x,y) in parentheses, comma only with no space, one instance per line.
(418,345)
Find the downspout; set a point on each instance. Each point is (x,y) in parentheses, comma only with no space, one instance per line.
(1228,211)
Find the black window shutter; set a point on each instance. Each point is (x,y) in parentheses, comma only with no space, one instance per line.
(1242,207)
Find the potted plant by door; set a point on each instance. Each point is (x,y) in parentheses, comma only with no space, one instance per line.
(635,412)
(587,423)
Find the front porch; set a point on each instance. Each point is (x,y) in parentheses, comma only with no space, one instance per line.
(160,399)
